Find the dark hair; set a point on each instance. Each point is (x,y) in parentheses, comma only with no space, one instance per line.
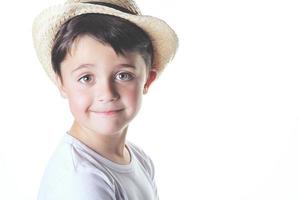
(122,35)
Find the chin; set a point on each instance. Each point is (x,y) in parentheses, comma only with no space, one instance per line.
(108,132)
(109,129)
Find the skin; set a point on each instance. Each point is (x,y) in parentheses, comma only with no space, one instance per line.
(104,91)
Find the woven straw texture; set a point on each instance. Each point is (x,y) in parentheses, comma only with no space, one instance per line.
(48,22)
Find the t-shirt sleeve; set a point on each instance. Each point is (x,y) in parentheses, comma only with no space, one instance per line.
(89,186)
(81,186)
(144,159)
(152,175)
(147,163)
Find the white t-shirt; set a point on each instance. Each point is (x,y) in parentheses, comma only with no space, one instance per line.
(76,172)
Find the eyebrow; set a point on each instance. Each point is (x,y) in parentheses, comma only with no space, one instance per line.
(91,65)
(127,66)
(82,66)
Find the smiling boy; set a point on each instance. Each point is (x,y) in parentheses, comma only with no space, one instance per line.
(104,92)
(103,56)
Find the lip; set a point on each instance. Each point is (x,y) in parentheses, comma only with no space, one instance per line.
(108,112)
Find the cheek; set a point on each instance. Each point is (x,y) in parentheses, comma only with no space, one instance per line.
(79,103)
(133,96)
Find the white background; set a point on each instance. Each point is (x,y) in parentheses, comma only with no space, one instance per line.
(222,122)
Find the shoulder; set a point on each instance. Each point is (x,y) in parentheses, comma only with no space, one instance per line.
(70,174)
(78,186)
(143,158)
(90,185)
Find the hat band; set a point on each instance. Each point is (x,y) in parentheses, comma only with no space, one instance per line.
(110,5)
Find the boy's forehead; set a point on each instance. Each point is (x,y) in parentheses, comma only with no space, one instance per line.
(82,41)
(87,50)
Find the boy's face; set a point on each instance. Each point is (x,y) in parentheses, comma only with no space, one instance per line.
(104,89)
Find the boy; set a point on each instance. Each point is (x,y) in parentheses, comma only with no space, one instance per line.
(102,55)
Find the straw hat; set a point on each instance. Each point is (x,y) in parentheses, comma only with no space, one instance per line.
(49,21)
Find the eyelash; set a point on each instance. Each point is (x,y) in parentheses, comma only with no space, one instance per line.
(131,76)
(85,76)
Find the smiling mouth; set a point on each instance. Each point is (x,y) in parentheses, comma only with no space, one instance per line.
(108,112)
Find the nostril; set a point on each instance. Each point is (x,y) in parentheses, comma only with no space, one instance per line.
(106,91)
(108,100)
(108,97)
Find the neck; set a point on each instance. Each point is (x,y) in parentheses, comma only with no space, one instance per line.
(111,146)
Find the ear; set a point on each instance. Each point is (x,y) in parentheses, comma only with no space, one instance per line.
(151,77)
(60,86)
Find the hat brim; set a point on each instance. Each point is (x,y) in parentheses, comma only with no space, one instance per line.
(47,24)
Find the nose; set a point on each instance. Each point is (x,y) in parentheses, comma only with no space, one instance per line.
(106,92)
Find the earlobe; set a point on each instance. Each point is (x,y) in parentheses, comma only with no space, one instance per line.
(60,87)
(151,77)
